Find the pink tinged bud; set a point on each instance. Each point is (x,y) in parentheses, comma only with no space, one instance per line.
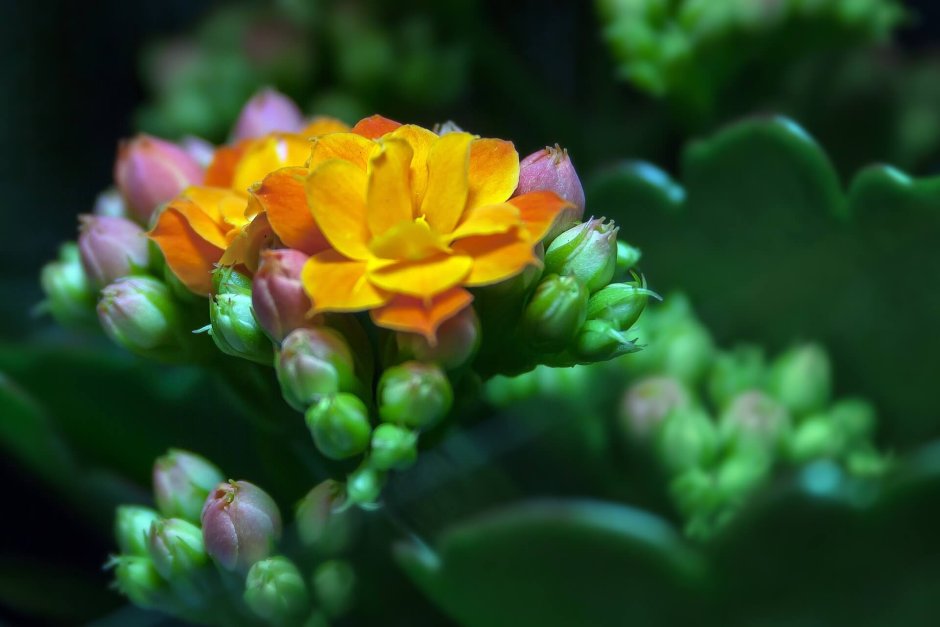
(240,525)
(176,548)
(551,170)
(181,483)
(199,149)
(457,340)
(277,295)
(139,314)
(111,248)
(109,203)
(150,172)
(268,111)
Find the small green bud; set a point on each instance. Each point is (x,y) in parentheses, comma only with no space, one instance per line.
(393,447)
(740,474)
(735,372)
(364,485)
(176,547)
(340,426)
(688,350)
(275,591)
(139,313)
(132,526)
(687,438)
(815,438)
(855,419)
(754,418)
(69,295)
(314,363)
(181,483)
(322,523)
(414,394)
(627,257)
(648,401)
(619,303)
(334,584)
(801,379)
(867,462)
(234,328)
(137,579)
(587,251)
(600,340)
(555,312)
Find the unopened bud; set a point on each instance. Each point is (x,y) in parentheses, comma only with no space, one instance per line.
(587,251)
(176,548)
(364,485)
(855,419)
(393,447)
(619,303)
(202,151)
(275,591)
(277,295)
(110,204)
(688,350)
(801,379)
(322,523)
(458,338)
(150,171)
(550,169)
(334,584)
(181,483)
(268,111)
(131,527)
(687,438)
(137,579)
(240,525)
(139,314)
(340,426)
(600,340)
(314,363)
(735,372)
(414,394)
(69,295)
(234,328)
(627,258)
(111,248)
(816,437)
(647,402)
(754,418)
(556,311)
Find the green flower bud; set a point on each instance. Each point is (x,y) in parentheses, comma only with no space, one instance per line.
(742,473)
(234,328)
(314,363)
(275,591)
(69,295)
(687,438)
(139,314)
(855,419)
(600,340)
(735,372)
(132,526)
(322,522)
(815,438)
(226,280)
(176,548)
(364,485)
(340,426)
(181,483)
(801,379)
(867,462)
(754,418)
(587,251)
(619,303)
(414,394)
(627,258)
(137,579)
(393,447)
(648,401)
(334,584)
(555,312)
(688,351)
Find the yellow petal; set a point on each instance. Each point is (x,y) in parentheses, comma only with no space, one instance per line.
(496,257)
(346,146)
(200,207)
(248,243)
(221,170)
(388,197)
(494,172)
(335,283)
(336,196)
(447,188)
(323,124)
(487,220)
(415,315)
(421,279)
(539,211)
(408,241)
(188,255)
(420,139)
(268,154)
(283,197)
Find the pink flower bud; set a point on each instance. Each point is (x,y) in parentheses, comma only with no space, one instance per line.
(457,340)
(111,248)
(551,170)
(267,111)
(277,295)
(199,149)
(150,171)
(240,525)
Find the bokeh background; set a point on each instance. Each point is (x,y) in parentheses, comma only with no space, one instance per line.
(77,77)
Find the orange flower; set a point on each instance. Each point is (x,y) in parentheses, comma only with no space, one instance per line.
(252,192)
(413,218)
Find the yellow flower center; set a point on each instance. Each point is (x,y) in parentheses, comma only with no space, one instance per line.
(409,241)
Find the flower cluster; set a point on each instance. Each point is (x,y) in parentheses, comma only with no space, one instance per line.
(377,267)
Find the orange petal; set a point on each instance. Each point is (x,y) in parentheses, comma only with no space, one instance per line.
(539,211)
(267,154)
(323,124)
(422,279)
(494,172)
(446,194)
(246,247)
(283,197)
(488,220)
(200,208)
(189,256)
(335,283)
(496,257)
(336,196)
(221,171)
(388,196)
(414,315)
(420,140)
(346,146)
(374,126)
